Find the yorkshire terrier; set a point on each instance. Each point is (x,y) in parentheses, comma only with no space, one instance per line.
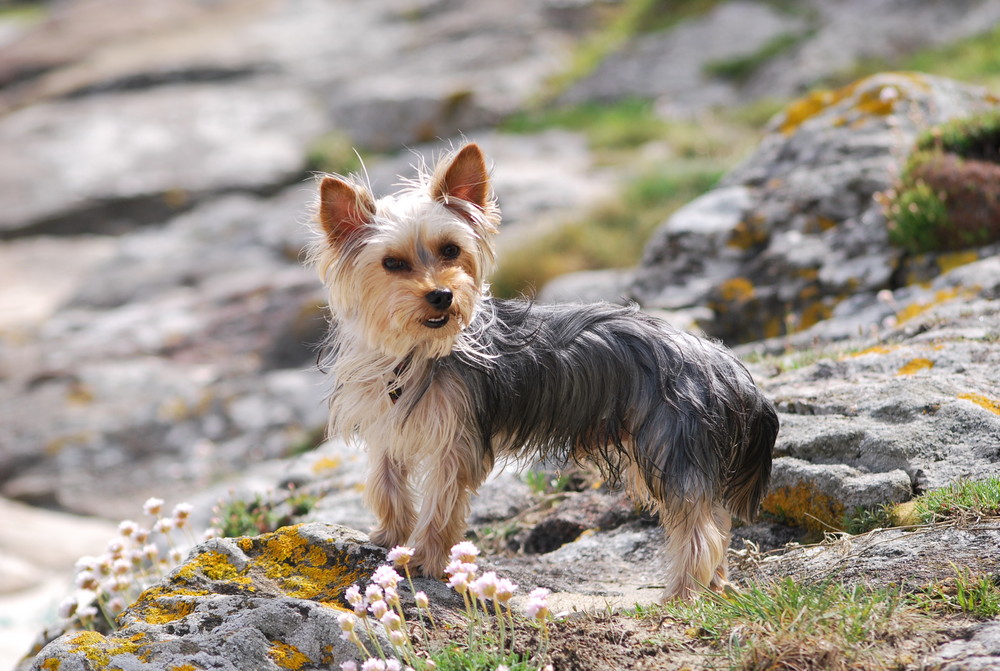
(439,379)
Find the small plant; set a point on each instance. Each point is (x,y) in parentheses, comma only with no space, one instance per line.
(795,625)
(963,500)
(741,68)
(863,520)
(948,195)
(977,595)
(490,621)
(262,514)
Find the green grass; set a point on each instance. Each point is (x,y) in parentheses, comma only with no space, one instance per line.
(791,624)
(621,125)
(973,594)
(962,500)
(480,659)
(262,514)
(333,152)
(975,59)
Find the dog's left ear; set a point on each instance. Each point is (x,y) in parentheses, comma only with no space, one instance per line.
(464,177)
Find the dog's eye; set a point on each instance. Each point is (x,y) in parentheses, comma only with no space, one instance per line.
(394,265)
(450,251)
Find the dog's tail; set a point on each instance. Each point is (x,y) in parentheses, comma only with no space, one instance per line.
(750,464)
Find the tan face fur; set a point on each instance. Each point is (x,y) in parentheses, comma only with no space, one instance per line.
(407,272)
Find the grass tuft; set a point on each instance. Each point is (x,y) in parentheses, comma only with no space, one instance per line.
(964,500)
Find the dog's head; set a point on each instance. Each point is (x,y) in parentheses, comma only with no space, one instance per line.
(407,272)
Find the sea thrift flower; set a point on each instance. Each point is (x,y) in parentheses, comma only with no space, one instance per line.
(391,596)
(400,555)
(397,637)
(87,579)
(379,608)
(348,666)
(176,555)
(152,506)
(115,548)
(151,551)
(353,595)
(420,598)
(391,621)
(121,566)
(127,528)
(163,525)
(373,593)
(393,665)
(464,551)
(485,587)
(67,607)
(459,582)
(141,535)
(505,590)
(537,606)
(373,665)
(386,577)
(346,622)
(182,511)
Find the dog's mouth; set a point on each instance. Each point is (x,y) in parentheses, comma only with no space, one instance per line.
(436,322)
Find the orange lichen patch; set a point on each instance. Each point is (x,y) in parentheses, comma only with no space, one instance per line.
(50,664)
(991,404)
(814,313)
(877,349)
(161,611)
(287,656)
(914,365)
(914,309)
(774,327)
(326,464)
(99,650)
(737,289)
(747,234)
(211,564)
(809,291)
(184,667)
(302,570)
(809,106)
(803,505)
(946,262)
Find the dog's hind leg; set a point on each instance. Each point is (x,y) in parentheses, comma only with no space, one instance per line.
(697,539)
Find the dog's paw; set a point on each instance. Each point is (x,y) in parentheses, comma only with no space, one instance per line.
(430,564)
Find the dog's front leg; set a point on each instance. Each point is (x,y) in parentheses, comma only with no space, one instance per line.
(450,482)
(388,495)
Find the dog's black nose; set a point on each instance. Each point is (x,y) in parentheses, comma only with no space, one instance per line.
(439,298)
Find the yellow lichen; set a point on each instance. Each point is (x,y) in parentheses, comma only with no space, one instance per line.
(946,262)
(287,656)
(803,505)
(160,612)
(747,234)
(51,664)
(876,349)
(326,464)
(813,314)
(917,308)
(184,667)
(914,365)
(99,650)
(991,404)
(737,289)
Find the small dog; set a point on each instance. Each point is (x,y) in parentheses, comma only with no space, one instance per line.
(439,379)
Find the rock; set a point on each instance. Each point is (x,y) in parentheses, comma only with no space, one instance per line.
(980,652)
(672,65)
(913,409)
(794,231)
(106,163)
(265,602)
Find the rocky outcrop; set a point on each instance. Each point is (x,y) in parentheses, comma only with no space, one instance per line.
(795,230)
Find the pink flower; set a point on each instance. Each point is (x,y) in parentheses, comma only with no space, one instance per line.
(386,577)
(400,555)
(464,551)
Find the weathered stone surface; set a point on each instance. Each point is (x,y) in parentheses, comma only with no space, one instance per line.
(912,409)
(268,602)
(795,231)
(980,652)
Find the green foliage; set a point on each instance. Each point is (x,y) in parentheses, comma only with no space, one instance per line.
(624,124)
(918,215)
(863,520)
(479,658)
(333,152)
(541,482)
(975,137)
(792,624)
(262,514)
(977,595)
(962,500)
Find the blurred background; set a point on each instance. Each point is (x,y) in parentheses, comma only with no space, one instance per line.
(156,162)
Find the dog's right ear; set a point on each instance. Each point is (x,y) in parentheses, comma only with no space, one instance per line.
(343,210)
